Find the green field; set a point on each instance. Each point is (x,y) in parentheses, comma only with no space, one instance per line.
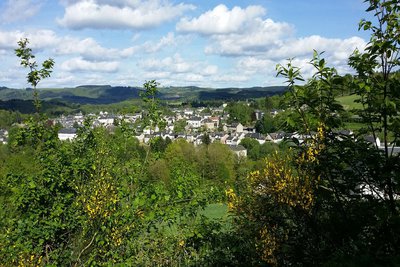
(348,102)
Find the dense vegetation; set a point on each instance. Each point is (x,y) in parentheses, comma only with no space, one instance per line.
(105,199)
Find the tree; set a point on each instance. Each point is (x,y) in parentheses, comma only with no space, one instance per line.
(205,139)
(35,75)
(252,146)
(149,96)
(179,126)
(239,112)
(379,91)
(331,200)
(266,124)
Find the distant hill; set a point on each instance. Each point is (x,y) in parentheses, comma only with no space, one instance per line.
(241,93)
(107,94)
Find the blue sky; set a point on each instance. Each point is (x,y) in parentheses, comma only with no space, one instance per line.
(203,43)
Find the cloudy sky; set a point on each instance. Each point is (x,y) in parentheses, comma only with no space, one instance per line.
(177,42)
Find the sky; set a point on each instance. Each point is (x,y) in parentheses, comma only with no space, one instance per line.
(178,43)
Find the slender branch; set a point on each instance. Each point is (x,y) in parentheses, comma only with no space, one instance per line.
(85,248)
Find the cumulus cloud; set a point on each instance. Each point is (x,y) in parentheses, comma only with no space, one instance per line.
(168,40)
(260,43)
(254,65)
(80,64)
(89,49)
(176,64)
(9,39)
(209,70)
(262,36)
(117,14)
(221,20)
(340,49)
(17,10)
(229,78)
(178,70)
(238,31)
(38,39)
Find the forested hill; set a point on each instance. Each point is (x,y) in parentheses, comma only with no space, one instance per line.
(106,94)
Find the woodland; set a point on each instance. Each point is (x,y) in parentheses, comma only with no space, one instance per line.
(105,199)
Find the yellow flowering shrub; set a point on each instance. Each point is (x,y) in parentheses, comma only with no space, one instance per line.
(26,260)
(100,197)
(283,183)
(278,195)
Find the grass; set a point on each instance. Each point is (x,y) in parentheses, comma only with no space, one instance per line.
(354,126)
(348,102)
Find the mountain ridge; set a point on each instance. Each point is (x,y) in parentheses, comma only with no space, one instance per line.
(107,94)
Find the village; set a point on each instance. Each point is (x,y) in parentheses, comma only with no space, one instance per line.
(197,123)
(195,126)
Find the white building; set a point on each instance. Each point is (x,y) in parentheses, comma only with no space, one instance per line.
(67,134)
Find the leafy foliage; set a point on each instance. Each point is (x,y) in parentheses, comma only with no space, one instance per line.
(35,75)
(332,201)
(104,199)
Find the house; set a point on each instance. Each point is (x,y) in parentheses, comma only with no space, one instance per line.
(215,120)
(230,140)
(238,127)
(257,136)
(258,114)
(218,137)
(188,112)
(106,120)
(194,122)
(276,137)
(370,139)
(209,124)
(301,137)
(67,134)
(234,127)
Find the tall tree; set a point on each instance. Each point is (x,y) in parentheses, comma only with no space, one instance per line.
(376,84)
(35,75)
(331,200)
(153,117)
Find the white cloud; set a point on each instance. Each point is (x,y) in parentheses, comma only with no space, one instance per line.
(9,39)
(168,40)
(120,14)
(17,10)
(258,38)
(253,65)
(176,65)
(80,64)
(38,39)
(260,43)
(238,31)
(340,49)
(231,78)
(176,70)
(210,70)
(245,32)
(221,20)
(89,49)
